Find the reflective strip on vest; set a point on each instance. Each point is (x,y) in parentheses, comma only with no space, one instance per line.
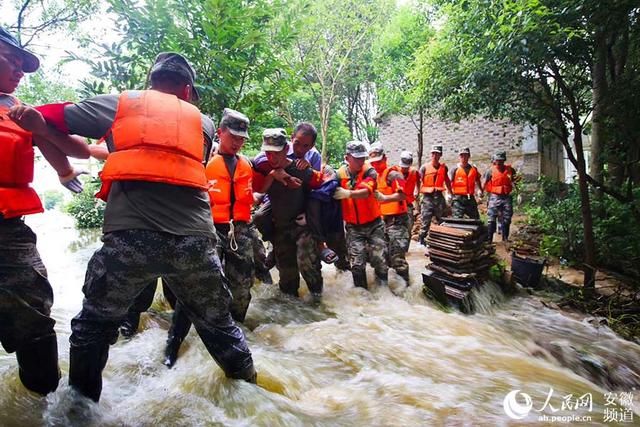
(464,184)
(390,208)
(501,182)
(433,179)
(157,138)
(221,185)
(357,211)
(17,198)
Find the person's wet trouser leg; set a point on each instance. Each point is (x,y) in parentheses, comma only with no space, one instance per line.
(284,247)
(129,326)
(180,325)
(397,233)
(238,265)
(26,298)
(308,259)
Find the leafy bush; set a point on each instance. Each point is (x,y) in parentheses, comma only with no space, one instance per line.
(52,198)
(555,209)
(85,208)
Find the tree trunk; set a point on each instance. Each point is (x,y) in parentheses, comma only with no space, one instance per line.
(585,208)
(599,86)
(324,128)
(420,137)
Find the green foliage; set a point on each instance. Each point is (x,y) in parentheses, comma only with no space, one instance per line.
(555,209)
(52,198)
(87,211)
(40,88)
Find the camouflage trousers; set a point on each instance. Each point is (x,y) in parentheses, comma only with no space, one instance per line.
(465,205)
(397,234)
(297,253)
(26,296)
(432,204)
(500,205)
(411,218)
(261,271)
(127,262)
(367,241)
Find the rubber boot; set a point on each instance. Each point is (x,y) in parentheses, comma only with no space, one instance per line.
(505,231)
(85,369)
(129,326)
(359,279)
(405,276)
(171,351)
(491,230)
(38,365)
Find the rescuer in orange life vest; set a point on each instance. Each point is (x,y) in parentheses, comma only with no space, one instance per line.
(26,297)
(361,213)
(157,221)
(499,182)
(411,179)
(393,207)
(464,178)
(434,179)
(230,176)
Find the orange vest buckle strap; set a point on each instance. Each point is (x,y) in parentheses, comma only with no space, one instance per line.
(390,208)
(434,179)
(357,211)
(501,182)
(17,197)
(157,138)
(464,184)
(222,186)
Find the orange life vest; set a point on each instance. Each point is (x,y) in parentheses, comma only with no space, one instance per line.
(501,182)
(357,211)
(17,197)
(222,186)
(464,184)
(411,180)
(390,208)
(433,179)
(157,138)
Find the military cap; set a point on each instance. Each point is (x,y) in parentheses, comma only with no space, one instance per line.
(436,149)
(465,150)
(376,152)
(172,62)
(235,121)
(30,62)
(357,149)
(274,139)
(500,155)
(406,159)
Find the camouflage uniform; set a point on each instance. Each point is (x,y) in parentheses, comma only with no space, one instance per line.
(410,219)
(120,270)
(464,205)
(26,326)
(500,206)
(367,239)
(432,204)
(259,256)
(296,253)
(397,234)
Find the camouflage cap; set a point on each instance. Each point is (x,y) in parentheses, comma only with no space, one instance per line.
(406,159)
(500,155)
(464,150)
(436,149)
(357,149)
(172,62)
(30,62)
(236,122)
(274,139)
(376,152)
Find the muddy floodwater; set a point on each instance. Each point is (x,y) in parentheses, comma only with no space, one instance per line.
(387,357)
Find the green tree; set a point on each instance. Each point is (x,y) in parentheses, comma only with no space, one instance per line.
(52,198)
(394,54)
(236,47)
(87,210)
(526,61)
(43,88)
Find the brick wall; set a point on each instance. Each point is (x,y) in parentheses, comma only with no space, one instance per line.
(482,136)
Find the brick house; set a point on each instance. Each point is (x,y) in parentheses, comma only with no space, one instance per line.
(523,145)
